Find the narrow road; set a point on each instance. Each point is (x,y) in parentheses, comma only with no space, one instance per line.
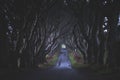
(49,74)
(62,71)
(63,59)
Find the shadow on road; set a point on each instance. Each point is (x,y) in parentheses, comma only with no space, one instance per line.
(57,74)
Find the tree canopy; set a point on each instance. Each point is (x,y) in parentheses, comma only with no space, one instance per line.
(31,29)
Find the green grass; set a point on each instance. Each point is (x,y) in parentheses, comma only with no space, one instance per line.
(53,60)
(50,62)
(76,64)
(72,60)
(96,68)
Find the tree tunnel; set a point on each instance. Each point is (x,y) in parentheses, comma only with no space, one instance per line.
(32,31)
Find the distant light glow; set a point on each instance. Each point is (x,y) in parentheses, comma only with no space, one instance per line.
(105,30)
(63,46)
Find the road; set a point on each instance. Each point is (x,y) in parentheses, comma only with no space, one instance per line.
(57,74)
(62,71)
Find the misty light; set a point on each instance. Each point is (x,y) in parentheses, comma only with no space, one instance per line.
(63,46)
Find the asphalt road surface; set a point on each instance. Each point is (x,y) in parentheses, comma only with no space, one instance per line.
(58,74)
